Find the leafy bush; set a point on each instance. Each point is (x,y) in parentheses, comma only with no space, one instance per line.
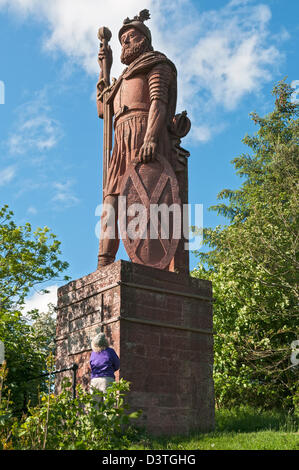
(60,422)
(253,264)
(27,259)
(6,416)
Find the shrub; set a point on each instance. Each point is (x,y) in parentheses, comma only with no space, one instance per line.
(60,422)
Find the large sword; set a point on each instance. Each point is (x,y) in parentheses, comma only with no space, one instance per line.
(104,35)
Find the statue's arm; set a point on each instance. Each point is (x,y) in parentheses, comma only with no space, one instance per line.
(156,120)
(159,80)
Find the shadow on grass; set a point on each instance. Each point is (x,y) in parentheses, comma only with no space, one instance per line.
(252,420)
(231,421)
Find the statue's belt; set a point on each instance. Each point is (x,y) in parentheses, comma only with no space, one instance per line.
(134,107)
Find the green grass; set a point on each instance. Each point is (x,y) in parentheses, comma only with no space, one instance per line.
(237,429)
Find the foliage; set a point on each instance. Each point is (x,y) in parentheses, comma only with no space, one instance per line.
(43,330)
(27,345)
(61,422)
(27,259)
(253,266)
(6,415)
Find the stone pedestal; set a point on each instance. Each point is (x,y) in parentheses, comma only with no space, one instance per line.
(160,325)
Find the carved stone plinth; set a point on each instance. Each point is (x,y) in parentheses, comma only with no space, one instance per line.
(160,324)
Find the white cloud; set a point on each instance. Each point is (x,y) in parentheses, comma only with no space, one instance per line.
(34,133)
(72,25)
(201,133)
(35,130)
(221,55)
(7,175)
(64,195)
(40,301)
(32,210)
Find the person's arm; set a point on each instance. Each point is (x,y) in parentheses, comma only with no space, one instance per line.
(90,362)
(115,360)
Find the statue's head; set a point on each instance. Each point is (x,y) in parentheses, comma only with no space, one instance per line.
(135,37)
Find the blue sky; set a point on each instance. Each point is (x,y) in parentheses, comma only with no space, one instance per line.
(229,54)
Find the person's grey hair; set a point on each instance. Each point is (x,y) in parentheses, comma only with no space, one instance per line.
(99,342)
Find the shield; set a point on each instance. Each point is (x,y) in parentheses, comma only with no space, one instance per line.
(150,212)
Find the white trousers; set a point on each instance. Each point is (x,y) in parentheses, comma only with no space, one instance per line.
(101,384)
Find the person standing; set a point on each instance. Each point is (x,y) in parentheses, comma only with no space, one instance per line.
(103,363)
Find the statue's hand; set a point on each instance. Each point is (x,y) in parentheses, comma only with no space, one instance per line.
(148,151)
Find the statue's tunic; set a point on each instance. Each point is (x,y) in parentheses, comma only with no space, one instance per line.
(151,76)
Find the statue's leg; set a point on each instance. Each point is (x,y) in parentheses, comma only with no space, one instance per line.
(109,238)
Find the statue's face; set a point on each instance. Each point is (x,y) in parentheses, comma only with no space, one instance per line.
(133,44)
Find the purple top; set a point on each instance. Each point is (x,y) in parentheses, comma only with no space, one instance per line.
(104,363)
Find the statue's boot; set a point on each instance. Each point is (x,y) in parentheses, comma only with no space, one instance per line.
(104,260)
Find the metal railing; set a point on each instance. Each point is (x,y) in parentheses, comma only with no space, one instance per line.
(73,368)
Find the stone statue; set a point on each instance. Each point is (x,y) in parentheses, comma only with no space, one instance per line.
(153,299)
(147,164)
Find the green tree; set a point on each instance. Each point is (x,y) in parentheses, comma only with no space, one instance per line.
(253,264)
(27,259)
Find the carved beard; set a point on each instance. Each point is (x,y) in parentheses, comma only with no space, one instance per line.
(129,54)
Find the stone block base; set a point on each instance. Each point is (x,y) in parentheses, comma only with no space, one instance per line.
(160,325)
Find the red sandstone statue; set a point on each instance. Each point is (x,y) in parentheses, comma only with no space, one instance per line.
(147,164)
